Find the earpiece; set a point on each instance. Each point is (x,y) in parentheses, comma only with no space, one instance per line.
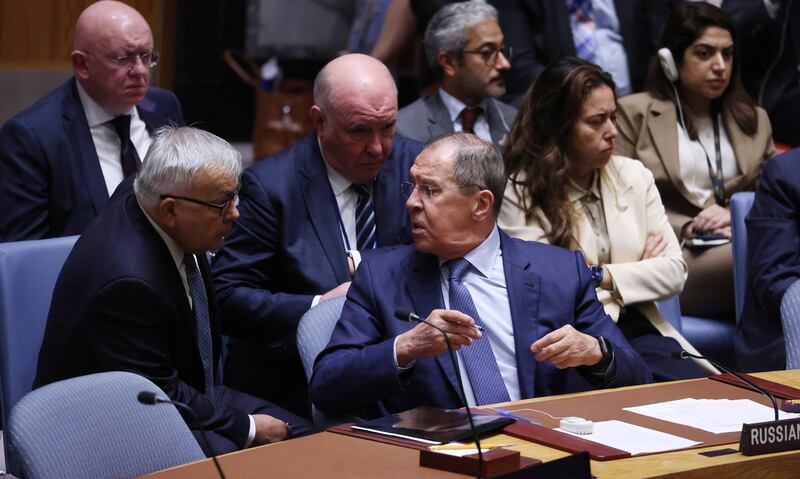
(668,64)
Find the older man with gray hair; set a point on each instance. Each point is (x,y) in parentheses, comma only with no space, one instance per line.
(135,293)
(467,53)
(523,315)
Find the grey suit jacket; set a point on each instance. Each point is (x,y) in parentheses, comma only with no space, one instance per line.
(428,118)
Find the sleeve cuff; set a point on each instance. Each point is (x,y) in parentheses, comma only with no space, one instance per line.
(394,356)
(251,434)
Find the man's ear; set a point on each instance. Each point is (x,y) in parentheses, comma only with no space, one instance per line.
(167,213)
(484,203)
(317,118)
(79,66)
(448,63)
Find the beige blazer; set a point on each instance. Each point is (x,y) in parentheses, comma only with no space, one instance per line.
(633,211)
(648,132)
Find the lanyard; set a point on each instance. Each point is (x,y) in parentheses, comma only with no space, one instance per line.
(717,178)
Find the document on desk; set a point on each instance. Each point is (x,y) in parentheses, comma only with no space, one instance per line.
(713,415)
(632,438)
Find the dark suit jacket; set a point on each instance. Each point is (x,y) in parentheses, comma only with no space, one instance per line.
(50,179)
(428,118)
(548,287)
(539,32)
(773,264)
(119,304)
(286,248)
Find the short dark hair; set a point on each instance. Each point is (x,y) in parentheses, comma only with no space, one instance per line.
(476,163)
(685,25)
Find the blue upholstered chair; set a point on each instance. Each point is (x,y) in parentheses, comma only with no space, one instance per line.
(28,273)
(94,427)
(711,337)
(740,206)
(790,318)
(313,333)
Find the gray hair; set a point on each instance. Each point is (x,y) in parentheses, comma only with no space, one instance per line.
(175,158)
(476,163)
(447,29)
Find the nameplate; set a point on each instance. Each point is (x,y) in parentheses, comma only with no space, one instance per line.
(769,437)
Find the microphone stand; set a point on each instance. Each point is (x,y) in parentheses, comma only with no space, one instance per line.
(149,397)
(408,316)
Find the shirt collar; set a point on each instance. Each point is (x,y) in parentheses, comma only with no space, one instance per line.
(455,106)
(176,251)
(339,183)
(96,114)
(485,254)
(576,192)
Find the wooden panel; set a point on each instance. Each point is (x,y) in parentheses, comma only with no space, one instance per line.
(38,34)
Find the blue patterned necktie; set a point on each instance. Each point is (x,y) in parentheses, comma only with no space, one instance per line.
(581,21)
(365,218)
(482,369)
(197,289)
(127,153)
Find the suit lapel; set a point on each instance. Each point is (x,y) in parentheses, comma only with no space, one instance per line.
(83,151)
(151,118)
(424,289)
(524,288)
(663,128)
(388,202)
(322,209)
(439,122)
(747,153)
(497,126)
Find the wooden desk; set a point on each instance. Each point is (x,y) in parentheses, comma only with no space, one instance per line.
(337,456)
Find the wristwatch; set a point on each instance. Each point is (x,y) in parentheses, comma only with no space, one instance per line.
(597,274)
(608,355)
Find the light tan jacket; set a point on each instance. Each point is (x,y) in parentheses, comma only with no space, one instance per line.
(648,132)
(633,211)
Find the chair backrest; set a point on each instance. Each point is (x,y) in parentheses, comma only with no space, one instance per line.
(740,205)
(28,273)
(314,331)
(94,427)
(790,318)
(670,309)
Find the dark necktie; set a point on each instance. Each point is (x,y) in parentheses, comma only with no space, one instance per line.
(200,306)
(468,118)
(127,153)
(365,218)
(482,369)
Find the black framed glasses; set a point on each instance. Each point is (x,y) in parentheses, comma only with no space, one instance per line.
(491,53)
(427,191)
(222,207)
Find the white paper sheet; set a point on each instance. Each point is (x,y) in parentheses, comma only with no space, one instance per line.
(632,438)
(712,415)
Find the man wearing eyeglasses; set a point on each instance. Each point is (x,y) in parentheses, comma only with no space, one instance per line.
(62,158)
(523,315)
(466,51)
(135,293)
(308,214)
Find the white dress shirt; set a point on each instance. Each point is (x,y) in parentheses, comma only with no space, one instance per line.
(107,142)
(692,158)
(455,107)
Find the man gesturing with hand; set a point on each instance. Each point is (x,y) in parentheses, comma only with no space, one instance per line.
(522,316)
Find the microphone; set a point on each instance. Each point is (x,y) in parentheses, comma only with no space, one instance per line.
(682,354)
(406,315)
(150,398)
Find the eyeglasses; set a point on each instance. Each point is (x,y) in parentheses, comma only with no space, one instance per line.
(490,53)
(222,207)
(128,62)
(427,191)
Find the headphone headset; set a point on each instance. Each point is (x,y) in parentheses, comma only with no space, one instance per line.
(668,64)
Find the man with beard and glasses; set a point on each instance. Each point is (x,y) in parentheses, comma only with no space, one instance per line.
(466,49)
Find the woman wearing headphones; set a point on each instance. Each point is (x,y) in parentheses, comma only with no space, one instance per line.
(703,139)
(566,188)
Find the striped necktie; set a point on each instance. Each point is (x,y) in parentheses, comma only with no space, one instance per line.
(484,374)
(365,218)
